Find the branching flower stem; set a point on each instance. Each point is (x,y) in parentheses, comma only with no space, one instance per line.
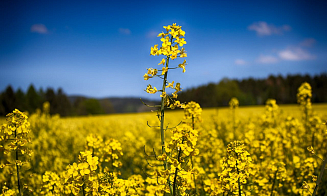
(176,172)
(162,121)
(83,190)
(234,127)
(238,180)
(274,182)
(17,166)
(162,113)
(239,183)
(196,189)
(83,187)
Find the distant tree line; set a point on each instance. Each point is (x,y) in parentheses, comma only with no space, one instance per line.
(59,102)
(253,91)
(248,91)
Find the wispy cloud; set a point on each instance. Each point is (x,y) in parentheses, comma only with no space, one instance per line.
(39,28)
(152,34)
(240,62)
(308,42)
(124,31)
(295,54)
(266,59)
(291,53)
(263,29)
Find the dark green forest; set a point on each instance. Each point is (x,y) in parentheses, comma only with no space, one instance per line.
(248,91)
(65,105)
(253,91)
(59,102)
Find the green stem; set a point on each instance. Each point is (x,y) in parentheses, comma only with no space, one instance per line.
(17,167)
(234,128)
(320,175)
(238,180)
(274,182)
(83,187)
(175,183)
(162,110)
(176,170)
(193,124)
(196,189)
(162,121)
(162,118)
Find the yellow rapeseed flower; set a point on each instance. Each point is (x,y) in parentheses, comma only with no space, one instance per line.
(182,65)
(150,89)
(162,62)
(146,76)
(154,50)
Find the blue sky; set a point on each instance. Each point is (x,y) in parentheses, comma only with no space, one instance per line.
(101,48)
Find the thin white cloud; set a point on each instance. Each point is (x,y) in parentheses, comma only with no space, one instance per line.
(263,29)
(240,62)
(266,59)
(152,34)
(124,31)
(295,54)
(39,28)
(308,42)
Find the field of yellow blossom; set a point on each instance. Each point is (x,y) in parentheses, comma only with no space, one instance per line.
(278,161)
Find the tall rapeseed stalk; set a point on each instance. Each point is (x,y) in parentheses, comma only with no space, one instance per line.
(14,136)
(304,99)
(233,104)
(171,48)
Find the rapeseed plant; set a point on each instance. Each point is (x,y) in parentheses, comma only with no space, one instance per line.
(181,149)
(304,96)
(316,181)
(193,111)
(322,169)
(172,39)
(233,104)
(237,168)
(272,110)
(14,139)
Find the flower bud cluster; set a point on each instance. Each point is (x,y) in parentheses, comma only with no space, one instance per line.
(237,167)
(14,137)
(272,107)
(270,116)
(193,110)
(233,103)
(109,151)
(82,173)
(171,40)
(53,185)
(172,48)
(304,96)
(183,139)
